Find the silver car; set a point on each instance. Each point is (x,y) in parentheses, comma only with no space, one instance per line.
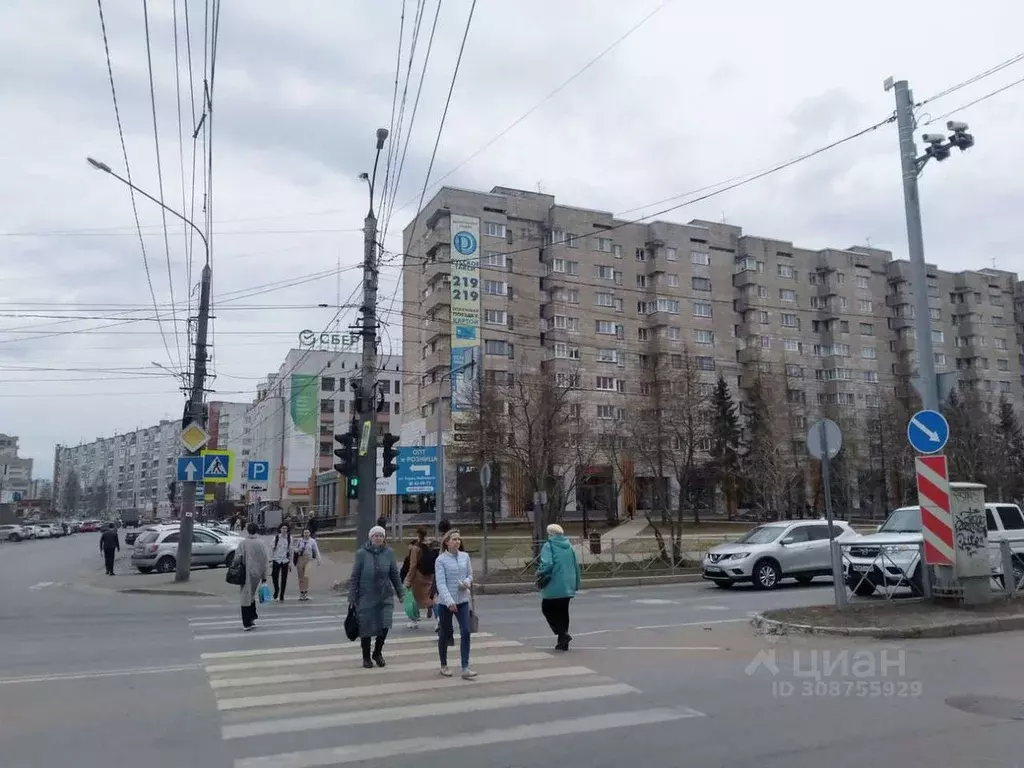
(157,549)
(774,551)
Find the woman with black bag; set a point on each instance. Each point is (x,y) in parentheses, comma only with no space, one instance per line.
(371,589)
(252,553)
(558,578)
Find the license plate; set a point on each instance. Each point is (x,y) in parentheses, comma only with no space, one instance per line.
(713,570)
(861,568)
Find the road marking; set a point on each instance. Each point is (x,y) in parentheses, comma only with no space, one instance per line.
(306,649)
(578,647)
(60,676)
(433,709)
(42,585)
(655,601)
(440,742)
(713,607)
(335,674)
(692,624)
(338,694)
(344,658)
(333,626)
(667,648)
(264,620)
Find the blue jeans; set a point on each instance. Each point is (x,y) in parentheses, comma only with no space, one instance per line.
(446,616)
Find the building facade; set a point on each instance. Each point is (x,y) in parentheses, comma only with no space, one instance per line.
(15,472)
(571,292)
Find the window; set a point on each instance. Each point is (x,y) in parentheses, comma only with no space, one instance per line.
(326,406)
(763,317)
(341,406)
(791,345)
(566,323)
(1010,517)
(327,384)
(609,412)
(495,287)
(762,292)
(705,363)
(563,379)
(668,305)
(868,353)
(864,305)
(938,337)
(604,300)
(871,377)
(790,321)
(862,282)
(671,254)
(494,259)
(701,336)
(325,449)
(617,251)
(998,343)
(867,329)
(785,270)
(643,334)
(940,359)
(497,347)
(700,257)
(572,240)
(605,327)
(700,283)
(701,309)
(641,254)
(934,314)
(607,355)
(495,317)
(1002,365)
(670,280)
(812,278)
(606,273)
(603,244)
(494,229)
(787,294)
(641,281)
(398,387)
(997,321)
(673,334)
(605,383)
(565,352)
(385,386)
(565,266)
(795,371)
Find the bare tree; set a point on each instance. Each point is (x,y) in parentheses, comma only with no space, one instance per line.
(1008,463)
(971,448)
(72,492)
(766,461)
(482,442)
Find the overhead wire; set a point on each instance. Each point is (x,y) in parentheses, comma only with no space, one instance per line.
(394,109)
(972,103)
(973,79)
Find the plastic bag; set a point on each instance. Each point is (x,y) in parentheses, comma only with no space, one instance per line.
(264,593)
(409,604)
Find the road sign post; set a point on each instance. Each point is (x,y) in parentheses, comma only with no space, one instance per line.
(485,484)
(258,471)
(417,470)
(936,515)
(824,441)
(217,466)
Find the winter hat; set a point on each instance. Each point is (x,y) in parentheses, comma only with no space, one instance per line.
(555,530)
(377,530)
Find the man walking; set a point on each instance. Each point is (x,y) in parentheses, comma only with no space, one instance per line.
(109,546)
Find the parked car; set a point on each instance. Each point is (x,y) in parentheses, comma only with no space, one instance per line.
(771,552)
(900,538)
(37,531)
(54,529)
(11,533)
(89,526)
(157,548)
(132,534)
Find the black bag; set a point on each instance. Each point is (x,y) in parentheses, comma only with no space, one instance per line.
(236,572)
(545,579)
(428,556)
(352,623)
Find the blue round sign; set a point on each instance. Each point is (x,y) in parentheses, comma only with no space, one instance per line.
(927,432)
(464,243)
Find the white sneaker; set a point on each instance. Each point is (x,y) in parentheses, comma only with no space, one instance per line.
(413,625)
(468,674)
(445,672)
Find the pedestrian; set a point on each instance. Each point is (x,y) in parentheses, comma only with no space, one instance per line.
(110,545)
(313,525)
(281,561)
(371,589)
(254,563)
(453,572)
(558,576)
(306,551)
(420,577)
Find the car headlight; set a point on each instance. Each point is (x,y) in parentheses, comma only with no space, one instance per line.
(901,548)
(737,556)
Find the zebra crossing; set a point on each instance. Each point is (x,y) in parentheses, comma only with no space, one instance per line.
(293,693)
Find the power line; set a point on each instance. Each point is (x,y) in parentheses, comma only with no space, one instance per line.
(394,109)
(128,174)
(980,99)
(971,80)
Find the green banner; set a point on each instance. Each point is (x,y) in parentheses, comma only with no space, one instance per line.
(305,402)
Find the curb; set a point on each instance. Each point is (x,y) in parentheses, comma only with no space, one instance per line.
(518,588)
(768,626)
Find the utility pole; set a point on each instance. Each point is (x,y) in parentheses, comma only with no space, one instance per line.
(368,330)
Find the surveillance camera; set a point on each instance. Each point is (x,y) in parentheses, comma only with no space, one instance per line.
(934,138)
(956,125)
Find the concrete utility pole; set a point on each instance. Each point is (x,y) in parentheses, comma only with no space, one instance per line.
(367,394)
(194,412)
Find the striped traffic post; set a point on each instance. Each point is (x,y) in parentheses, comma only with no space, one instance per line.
(936,517)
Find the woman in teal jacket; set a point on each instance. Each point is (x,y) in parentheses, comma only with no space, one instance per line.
(558,576)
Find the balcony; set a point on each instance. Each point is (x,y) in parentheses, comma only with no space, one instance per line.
(440,358)
(432,269)
(439,300)
(744,278)
(751,354)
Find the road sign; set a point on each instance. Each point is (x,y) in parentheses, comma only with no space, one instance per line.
(928,431)
(190,469)
(833,439)
(194,437)
(417,469)
(485,476)
(259,471)
(217,466)
(936,517)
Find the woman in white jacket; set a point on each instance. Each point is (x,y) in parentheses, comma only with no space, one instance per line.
(453,573)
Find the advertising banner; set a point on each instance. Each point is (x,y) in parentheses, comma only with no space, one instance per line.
(301,437)
(465,288)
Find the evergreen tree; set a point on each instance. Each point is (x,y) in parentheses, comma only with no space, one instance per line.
(726,443)
(1010,456)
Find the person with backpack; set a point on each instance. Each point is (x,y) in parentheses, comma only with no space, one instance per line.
(418,571)
(558,577)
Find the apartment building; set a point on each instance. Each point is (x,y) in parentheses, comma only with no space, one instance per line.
(15,472)
(576,292)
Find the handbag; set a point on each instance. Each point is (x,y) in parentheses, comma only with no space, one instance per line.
(352,623)
(474,620)
(544,579)
(236,572)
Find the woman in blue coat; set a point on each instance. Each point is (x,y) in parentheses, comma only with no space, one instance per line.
(559,576)
(371,589)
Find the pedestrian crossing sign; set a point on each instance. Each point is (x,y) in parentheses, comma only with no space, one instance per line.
(217,466)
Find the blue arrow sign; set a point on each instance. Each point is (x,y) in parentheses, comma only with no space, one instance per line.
(259,470)
(928,431)
(417,470)
(190,469)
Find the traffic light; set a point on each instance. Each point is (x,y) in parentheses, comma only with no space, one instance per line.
(348,458)
(390,454)
(353,487)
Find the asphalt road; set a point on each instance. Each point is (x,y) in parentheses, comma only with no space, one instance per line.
(667,675)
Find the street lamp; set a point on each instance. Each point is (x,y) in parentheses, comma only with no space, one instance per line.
(194,404)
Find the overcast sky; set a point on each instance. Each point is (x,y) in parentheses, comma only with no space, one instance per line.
(698,94)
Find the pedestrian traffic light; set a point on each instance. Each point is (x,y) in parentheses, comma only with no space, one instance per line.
(353,487)
(390,454)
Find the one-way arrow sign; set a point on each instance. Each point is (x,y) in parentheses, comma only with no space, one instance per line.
(190,469)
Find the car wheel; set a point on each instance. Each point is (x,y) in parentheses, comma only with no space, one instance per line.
(229,559)
(862,588)
(766,574)
(145,569)
(15,537)
(804,580)
(165,564)
(724,584)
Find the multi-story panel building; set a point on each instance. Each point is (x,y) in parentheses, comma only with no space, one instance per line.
(15,472)
(577,292)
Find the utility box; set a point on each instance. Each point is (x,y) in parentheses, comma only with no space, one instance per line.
(972,566)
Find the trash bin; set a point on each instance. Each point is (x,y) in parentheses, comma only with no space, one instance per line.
(595,543)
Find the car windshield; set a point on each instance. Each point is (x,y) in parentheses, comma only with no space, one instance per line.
(146,537)
(904,520)
(762,535)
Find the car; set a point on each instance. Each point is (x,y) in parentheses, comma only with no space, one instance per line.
(775,551)
(54,529)
(11,533)
(157,549)
(37,531)
(891,557)
(130,536)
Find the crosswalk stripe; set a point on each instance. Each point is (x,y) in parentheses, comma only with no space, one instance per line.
(290,649)
(432,709)
(333,626)
(305,661)
(338,694)
(437,742)
(276,615)
(391,669)
(234,620)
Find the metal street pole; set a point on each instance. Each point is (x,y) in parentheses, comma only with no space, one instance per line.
(367,388)
(915,242)
(194,405)
(838,586)
(439,442)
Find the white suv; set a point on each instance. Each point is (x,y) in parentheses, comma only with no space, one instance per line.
(775,551)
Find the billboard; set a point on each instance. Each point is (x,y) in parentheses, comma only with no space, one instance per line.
(301,431)
(465,296)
